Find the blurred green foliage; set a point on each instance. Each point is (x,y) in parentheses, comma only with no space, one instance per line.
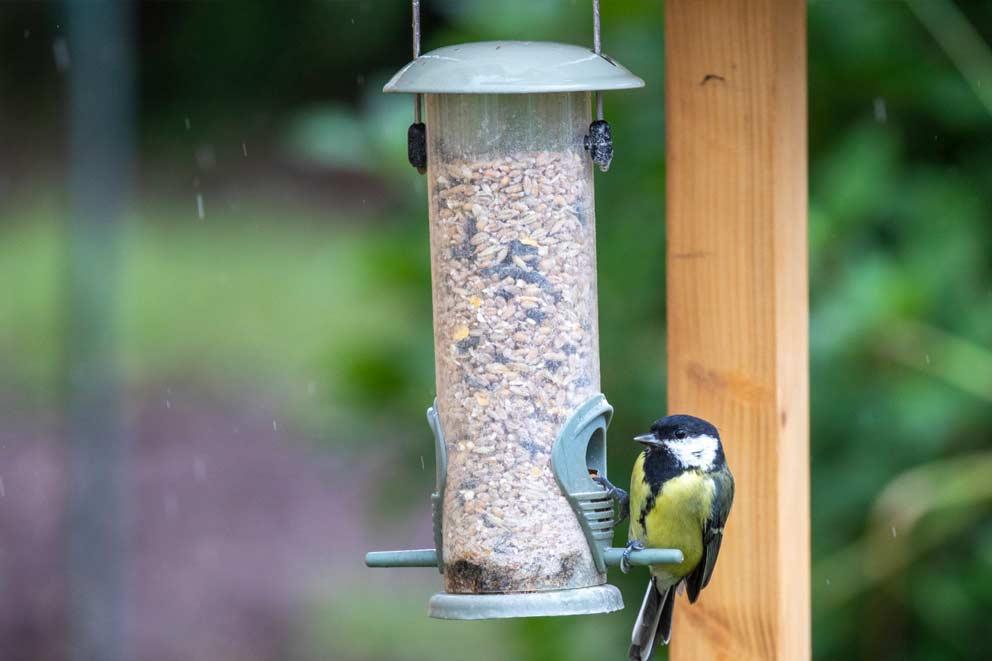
(333,309)
(900,238)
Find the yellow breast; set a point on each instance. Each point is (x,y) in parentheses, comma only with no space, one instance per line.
(676,517)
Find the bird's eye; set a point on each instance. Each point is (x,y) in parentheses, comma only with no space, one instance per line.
(680,434)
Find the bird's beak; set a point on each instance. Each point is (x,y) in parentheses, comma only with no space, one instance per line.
(647,439)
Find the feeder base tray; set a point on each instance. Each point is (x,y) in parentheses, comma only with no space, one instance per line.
(578,601)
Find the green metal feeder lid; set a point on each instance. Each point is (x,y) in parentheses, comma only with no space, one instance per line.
(511,67)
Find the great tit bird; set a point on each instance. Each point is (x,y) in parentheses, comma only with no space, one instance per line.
(681,491)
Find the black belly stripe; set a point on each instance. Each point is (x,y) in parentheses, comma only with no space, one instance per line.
(648,506)
(649,501)
(660,466)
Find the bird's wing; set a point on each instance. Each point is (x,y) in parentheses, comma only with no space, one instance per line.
(723,497)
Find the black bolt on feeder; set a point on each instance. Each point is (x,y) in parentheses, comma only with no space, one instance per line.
(416,146)
(521,528)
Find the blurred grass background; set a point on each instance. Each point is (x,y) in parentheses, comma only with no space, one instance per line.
(302,295)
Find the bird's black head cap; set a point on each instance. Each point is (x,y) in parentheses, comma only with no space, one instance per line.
(682,426)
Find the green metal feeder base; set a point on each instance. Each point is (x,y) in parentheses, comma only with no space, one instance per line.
(580,601)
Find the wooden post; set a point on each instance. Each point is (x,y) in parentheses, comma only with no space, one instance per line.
(735,94)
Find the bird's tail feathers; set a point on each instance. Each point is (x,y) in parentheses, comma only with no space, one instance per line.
(654,621)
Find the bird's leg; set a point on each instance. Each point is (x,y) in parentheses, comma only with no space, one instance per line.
(621,497)
(632,545)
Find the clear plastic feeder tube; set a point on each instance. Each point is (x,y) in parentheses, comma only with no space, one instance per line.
(513,257)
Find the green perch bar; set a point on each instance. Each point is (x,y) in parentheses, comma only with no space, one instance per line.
(428,557)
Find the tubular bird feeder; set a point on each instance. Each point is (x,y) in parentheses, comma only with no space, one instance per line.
(508,146)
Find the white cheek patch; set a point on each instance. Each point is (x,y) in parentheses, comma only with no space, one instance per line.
(694,452)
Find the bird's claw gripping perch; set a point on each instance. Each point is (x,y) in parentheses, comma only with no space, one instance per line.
(632,545)
(621,497)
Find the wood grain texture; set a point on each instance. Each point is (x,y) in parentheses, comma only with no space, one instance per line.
(735,92)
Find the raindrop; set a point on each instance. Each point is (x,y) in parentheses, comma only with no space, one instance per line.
(168,404)
(27,34)
(60,49)
(187,123)
(828,581)
(244,149)
(199,206)
(275,427)
(927,358)
(422,466)
(3,489)
(881,113)
(893,532)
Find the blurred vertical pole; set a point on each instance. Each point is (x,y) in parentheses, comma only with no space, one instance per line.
(735,104)
(100,125)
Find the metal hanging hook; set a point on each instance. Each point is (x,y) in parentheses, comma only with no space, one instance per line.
(416,54)
(416,136)
(599,142)
(597,46)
